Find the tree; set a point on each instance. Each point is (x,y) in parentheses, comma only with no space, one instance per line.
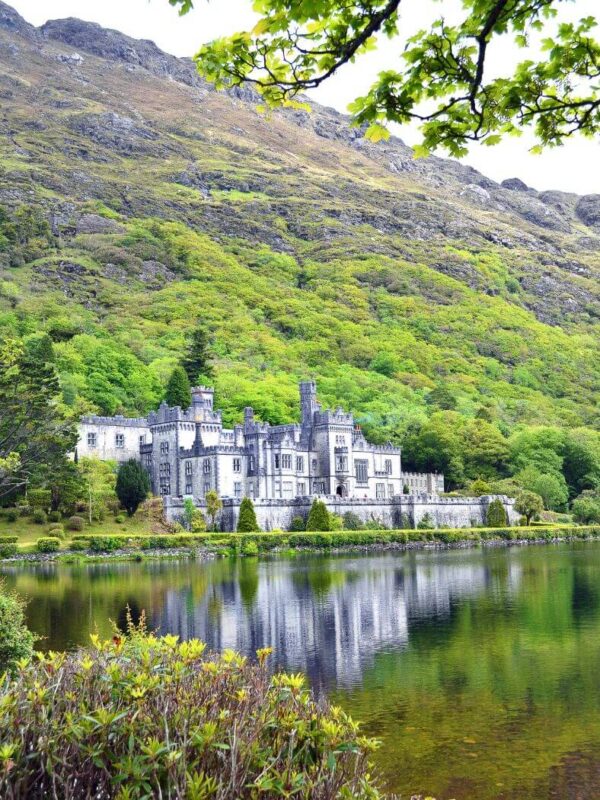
(318,517)
(586,508)
(529,505)
(443,84)
(36,430)
(496,515)
(198,357)
(16,641)
(551,488)
(441,397)
(247,522)
(435,446)
(479,488)
(178,391)
(213,505)
(133,485)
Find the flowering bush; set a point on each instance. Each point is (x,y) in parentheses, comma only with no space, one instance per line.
(142,717)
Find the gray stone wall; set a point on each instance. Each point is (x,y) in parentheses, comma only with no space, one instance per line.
(454,512)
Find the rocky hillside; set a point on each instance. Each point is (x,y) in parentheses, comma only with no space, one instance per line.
(135,201)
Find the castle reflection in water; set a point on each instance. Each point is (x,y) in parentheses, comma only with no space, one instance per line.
(328,618)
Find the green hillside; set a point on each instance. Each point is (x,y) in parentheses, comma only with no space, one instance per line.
(137,203)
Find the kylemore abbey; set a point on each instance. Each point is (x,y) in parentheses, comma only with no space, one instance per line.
(188,452)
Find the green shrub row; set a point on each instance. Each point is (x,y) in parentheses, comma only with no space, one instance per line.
(247,543)
(105,544)
(8,550)
(8,539)
(48,544)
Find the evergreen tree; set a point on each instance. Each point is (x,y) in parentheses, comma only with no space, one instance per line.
(247,522)
(133,485)
(36,431)
(178,392)
(496,515)
(197,361)
(318,517)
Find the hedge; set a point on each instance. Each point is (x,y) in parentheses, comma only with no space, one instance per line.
(8,540)
(238,542)
(47,544)
(8,550)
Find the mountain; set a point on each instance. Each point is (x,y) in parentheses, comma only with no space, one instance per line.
(135,201)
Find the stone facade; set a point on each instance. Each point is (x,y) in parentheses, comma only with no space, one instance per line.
(112,438)
(399,512)
(188,452)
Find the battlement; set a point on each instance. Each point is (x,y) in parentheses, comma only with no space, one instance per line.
(117,421)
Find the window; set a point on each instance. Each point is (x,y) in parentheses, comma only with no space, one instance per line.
(314,465)
(189,489)
(299,464)
(318,487)
(237,489)
(301,489)
(237,464)
(206,488)
(91,439)
(380,491)
(288,489)
(142,439)
(390,490)
(341,463)
(164,469)
(206,466)
(340,440)
(362,471)
(388,466)
(188,467)
(277,461)
(164,448)
(165,487)
(119,440)
(286,461)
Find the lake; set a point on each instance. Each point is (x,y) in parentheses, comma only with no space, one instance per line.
(478,669)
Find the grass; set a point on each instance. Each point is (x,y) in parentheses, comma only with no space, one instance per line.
(28,532)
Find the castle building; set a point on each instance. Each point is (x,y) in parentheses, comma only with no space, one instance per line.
(188,452)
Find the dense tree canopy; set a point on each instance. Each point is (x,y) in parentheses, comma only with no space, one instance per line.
(443,83)
(36,432)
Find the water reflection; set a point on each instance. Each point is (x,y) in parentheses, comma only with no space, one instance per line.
(478,669)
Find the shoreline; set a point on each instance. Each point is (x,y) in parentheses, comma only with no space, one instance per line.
(204,553)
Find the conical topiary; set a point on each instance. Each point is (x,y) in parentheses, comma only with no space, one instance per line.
(178,392)
(247,522)
(318,517)
(496,515)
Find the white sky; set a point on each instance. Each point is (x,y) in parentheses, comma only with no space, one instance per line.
(574,167)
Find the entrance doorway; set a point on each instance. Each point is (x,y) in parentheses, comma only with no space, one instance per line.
(341,491)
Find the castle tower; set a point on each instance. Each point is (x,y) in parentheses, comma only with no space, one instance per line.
(308,402)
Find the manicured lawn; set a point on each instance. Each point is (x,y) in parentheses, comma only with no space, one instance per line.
(28,532)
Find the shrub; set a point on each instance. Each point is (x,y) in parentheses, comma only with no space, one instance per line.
(586,507)
(247,522)
(249,548)
(12,515)
(54,516)
(318,517)
(120,519)
(426,523)
(352,522)
(48,544)
(496,515)
(8,549)
(140,711)
(75,523)
(297,524)
(39,517)
(79,545)
(56,530)
(39,498)
(529,504)
(16,641)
